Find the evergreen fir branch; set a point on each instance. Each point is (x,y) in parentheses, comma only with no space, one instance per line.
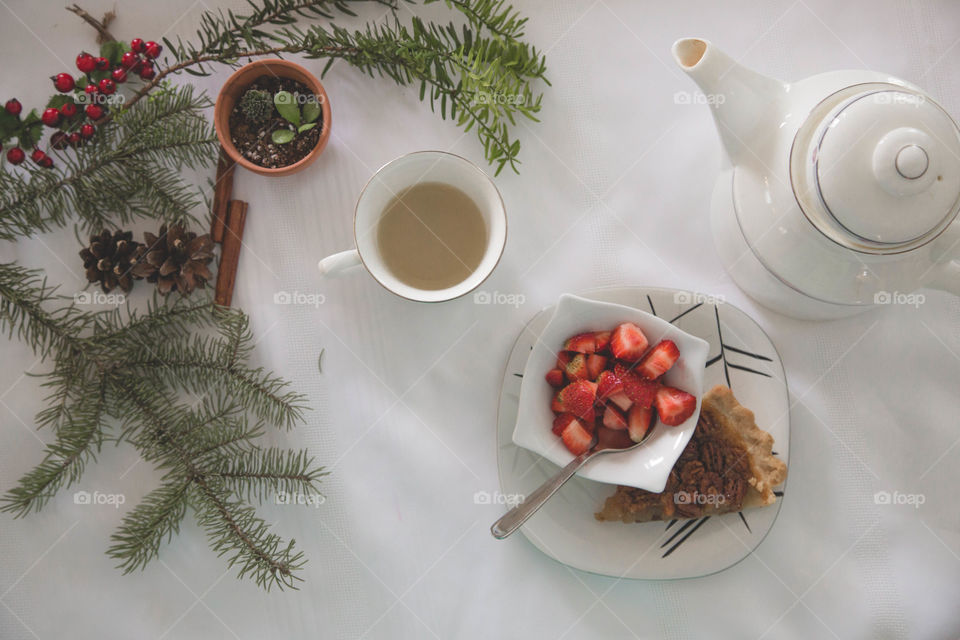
(235,531)
(257,474)
(153,522)
(477,81)
(496,16)
(209,364)
(208,452)
(78,440)
(23,296)
(130,170)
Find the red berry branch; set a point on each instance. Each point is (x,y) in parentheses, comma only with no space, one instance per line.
(80,103)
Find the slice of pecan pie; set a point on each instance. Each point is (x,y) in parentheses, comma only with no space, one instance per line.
(727,466)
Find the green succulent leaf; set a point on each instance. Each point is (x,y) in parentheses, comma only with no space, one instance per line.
(306,127)
(282,136)
(287,106)
(311,111)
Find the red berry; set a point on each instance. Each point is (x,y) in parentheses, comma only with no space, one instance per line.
(147,72)
(68,110)
(51,117)
(13,107)
(59,140)
(152,49)
(15,155)
(63,82)
(37,155)
(86,62)
(107,86)
(129,60)
(102,64)
(119,76)
(137,45)
(86,131)
(47,162)
(90,89)
(74,139)
(94,111)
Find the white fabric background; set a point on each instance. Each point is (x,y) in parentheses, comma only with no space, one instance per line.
(614,189)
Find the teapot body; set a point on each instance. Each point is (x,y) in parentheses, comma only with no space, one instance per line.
(837,192)
(772,250)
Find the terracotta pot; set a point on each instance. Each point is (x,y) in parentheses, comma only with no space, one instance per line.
(237,84)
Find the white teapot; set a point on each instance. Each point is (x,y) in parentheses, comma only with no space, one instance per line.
(838,192)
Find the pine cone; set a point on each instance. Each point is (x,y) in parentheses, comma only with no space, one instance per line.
(110,259)
(175,259)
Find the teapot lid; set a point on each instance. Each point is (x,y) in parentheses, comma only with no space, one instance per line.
(883,163)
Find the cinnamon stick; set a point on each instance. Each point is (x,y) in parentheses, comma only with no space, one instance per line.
(222,190)
(230,254)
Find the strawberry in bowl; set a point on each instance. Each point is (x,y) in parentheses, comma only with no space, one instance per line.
(611,381)
(618,373)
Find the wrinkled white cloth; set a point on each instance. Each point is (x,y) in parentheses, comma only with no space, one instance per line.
(614,189)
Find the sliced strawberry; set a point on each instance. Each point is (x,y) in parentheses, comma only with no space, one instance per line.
(621,400)
(601,340)
(595,365)
(613,439)
(581,343)
(614,419)
(638,422)
(555,378)
(577,367)
(658,360)
(674,406)
(576,398)
(608,384)
(561,421)
(627,342)
(563,359)
(576,438)
(640,390)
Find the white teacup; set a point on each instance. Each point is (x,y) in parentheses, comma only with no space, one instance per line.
(400,174)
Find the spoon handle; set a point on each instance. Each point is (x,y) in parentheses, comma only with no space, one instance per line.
(512,519)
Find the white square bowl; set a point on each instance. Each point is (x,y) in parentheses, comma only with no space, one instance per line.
(646,467)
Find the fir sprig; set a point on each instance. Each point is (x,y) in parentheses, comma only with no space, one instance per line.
(131,170)
(123,377)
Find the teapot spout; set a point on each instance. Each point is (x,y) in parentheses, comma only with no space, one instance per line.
(746,105)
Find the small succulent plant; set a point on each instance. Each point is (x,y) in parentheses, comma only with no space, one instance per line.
(256,105)
(302,119)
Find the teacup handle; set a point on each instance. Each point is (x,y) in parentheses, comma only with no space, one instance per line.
(339,262)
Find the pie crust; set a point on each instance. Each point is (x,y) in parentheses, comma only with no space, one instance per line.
(727,466)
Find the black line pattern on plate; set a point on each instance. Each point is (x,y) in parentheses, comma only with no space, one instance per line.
(684,538)
(748,353)
(676,533)
(650,302)
(693,308)
(748,370)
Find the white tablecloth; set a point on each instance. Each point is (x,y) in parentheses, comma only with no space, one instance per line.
(614,189)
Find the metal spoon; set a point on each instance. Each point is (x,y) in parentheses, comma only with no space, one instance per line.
(513,519)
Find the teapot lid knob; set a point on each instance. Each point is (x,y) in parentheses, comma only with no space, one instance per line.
(912,162)
(886,167)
